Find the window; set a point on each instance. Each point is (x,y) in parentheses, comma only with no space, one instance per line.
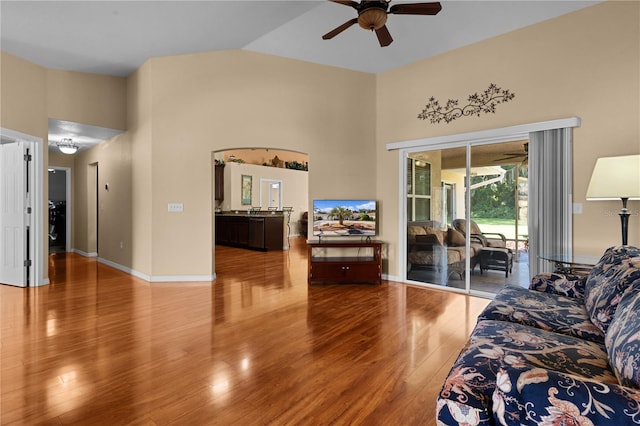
(418,190)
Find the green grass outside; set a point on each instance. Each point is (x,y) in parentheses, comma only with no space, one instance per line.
(507,227)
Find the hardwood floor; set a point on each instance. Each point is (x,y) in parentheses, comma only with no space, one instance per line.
(258,346)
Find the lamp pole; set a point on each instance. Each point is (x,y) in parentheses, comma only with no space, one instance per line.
(624,221)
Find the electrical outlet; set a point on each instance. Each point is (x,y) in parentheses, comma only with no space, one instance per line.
(175,207)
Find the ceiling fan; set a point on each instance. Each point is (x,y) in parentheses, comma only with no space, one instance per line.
(514,155)
(372,15)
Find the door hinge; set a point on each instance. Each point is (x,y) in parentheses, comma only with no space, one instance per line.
(27,263)
(28,210)
(27,157)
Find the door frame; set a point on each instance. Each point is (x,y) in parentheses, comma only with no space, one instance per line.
(38,272)
(68,207)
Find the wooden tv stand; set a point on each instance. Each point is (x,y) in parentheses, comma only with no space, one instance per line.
(335,261)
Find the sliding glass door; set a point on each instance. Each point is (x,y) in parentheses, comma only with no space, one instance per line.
(471,239)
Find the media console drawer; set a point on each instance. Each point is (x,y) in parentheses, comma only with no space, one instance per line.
(327,264)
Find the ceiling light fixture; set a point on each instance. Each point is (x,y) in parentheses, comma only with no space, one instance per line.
(66,146)
(372,18)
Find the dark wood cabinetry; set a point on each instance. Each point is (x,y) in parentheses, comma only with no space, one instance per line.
(232,231)
(256,232)
(218,183)
(334,261)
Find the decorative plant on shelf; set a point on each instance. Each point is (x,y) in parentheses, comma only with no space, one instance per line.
(233,159)
(485,102)
(295,165)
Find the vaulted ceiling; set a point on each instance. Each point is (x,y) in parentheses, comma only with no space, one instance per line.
(116,37)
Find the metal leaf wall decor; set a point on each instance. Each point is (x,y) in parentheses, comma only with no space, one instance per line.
(485,102)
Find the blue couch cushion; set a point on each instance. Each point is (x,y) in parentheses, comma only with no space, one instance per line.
(569,285)
(468,389)
(623,339)
(616,270)
(544,397)
(566,315)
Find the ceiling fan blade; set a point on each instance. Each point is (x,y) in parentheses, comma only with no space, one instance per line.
(384,37)
(351,3)
(416,8)
(331,34)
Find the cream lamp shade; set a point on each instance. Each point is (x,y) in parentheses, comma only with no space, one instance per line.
(616,178)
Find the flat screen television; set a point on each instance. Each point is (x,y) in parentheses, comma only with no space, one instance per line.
(345,218)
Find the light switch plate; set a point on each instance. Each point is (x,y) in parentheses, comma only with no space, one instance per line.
(175,207)
(577,208)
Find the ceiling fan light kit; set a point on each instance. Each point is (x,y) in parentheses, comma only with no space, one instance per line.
(373,18)
(372,15)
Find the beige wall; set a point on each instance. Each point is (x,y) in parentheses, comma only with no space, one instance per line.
(23,96)
(98,100)
(213,101)
(584,64)
(139,136)
(110,162)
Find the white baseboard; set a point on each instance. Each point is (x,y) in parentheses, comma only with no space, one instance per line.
(391,278)
(149,278)
(84,253)
(157,278)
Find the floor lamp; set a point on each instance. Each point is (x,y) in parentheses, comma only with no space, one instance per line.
(616,178)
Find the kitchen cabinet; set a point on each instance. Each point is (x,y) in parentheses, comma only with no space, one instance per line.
(260,232)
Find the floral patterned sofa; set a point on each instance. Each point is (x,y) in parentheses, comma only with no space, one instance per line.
(566,351)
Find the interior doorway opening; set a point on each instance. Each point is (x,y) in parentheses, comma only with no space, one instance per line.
(59,209)
(262,179)
(271,194)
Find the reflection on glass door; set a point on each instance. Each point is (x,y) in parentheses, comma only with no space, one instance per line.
(444,247)
(428,258)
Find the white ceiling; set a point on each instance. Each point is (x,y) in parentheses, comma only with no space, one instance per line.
(116,37)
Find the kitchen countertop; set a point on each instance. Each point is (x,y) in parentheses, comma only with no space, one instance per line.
(243,213)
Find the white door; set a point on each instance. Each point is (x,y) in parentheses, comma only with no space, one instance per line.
(14,207)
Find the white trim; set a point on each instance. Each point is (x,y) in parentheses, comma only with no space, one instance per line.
(84,253)
(159,278)
(182,278)
(502,134)
(149,278)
